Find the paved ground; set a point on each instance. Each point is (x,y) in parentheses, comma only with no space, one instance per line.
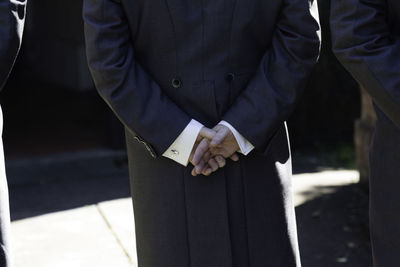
(76,211)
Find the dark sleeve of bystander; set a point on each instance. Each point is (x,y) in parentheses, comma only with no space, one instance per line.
(364,44)
(12,16)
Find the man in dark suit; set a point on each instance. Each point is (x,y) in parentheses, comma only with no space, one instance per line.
(366,39)
(12,14)
(172,70)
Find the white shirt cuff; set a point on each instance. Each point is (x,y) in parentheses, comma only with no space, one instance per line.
(181,148)
(245,146)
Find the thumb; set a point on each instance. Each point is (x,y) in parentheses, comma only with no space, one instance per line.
(219,137)
(207,133)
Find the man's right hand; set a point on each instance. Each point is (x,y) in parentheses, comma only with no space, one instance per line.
(201,157)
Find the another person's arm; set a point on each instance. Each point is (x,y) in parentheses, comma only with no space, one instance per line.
(364,44)
(12,16)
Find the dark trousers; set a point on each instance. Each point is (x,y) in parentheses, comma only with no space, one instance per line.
(385,194)
(4,208)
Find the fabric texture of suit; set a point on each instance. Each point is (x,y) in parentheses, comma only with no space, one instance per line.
(160,63)
(12,14)
(366,39)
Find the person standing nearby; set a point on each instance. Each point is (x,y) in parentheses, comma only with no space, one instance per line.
(366,40)
(200,81)
(12,16)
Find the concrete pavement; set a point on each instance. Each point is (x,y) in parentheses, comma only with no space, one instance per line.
(80,237)
(102,234)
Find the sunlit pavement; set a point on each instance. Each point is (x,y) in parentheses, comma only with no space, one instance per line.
(102,235)
(308,186)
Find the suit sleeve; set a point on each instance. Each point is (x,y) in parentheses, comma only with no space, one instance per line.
(136,99)
(365,46)
(12,15)
(272,92)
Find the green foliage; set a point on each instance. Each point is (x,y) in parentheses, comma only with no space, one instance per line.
(340,155)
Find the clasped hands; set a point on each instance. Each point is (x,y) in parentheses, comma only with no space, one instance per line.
(212,148)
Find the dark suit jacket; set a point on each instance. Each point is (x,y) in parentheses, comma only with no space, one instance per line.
(159,63)
(366,39)
(197,46)
(12,14)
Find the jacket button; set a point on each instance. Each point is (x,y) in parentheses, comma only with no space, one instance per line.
(230,77)
(176,83)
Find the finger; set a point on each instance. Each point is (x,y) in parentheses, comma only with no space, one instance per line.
(220,161)
(199,138)
(200,167)
(217,127)
(203,163)
(203,171)
(213,164)
(235,157)
(207,156)
(219,137)
(207,133)
(207,172)
(222,151)
(200,151)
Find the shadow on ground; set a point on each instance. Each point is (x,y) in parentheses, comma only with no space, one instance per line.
(332,228)
(59,186)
